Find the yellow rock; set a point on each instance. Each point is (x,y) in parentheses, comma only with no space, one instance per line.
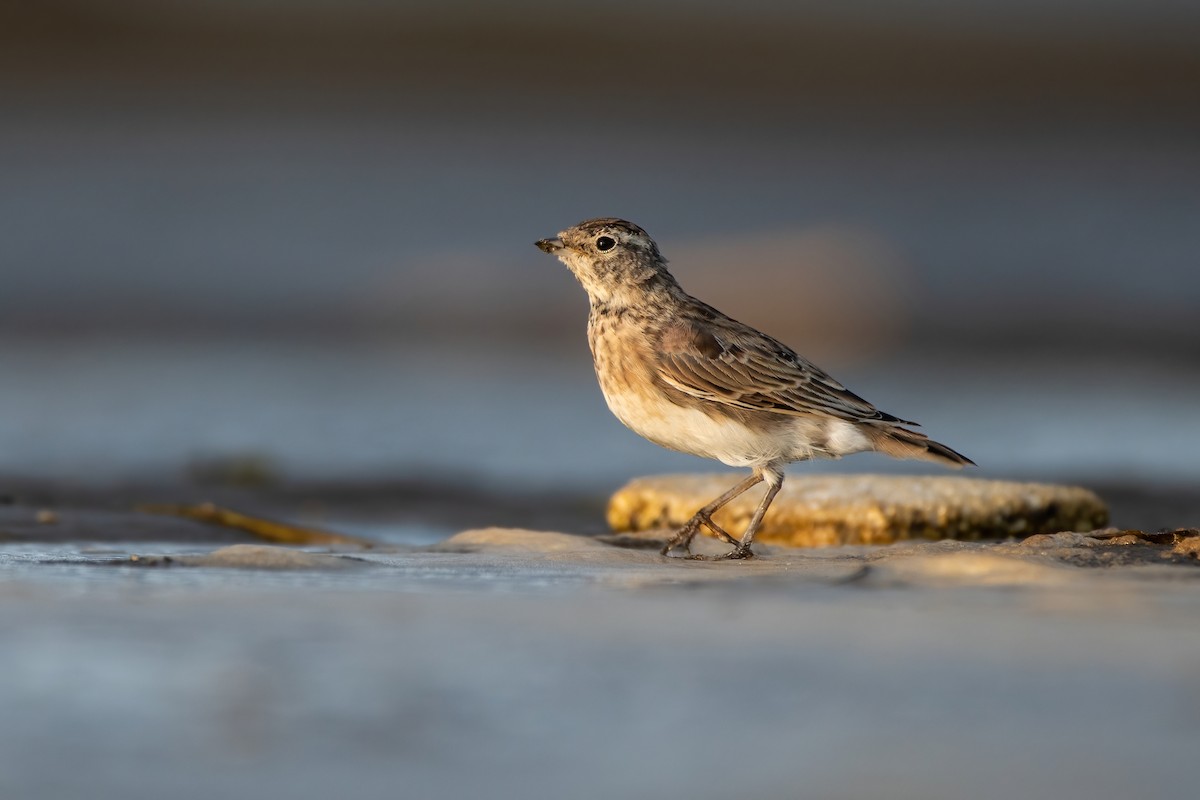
(823,510)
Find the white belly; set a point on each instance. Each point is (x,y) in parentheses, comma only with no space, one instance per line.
(691,431)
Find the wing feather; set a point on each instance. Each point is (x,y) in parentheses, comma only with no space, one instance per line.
(723,361)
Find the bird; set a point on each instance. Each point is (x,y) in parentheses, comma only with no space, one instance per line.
(683,375)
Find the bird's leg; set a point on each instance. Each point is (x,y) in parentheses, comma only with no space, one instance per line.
(683,537)
(774,479)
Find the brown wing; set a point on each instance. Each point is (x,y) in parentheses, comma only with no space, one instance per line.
(723,361)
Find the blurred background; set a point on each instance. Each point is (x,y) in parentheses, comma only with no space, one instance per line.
(289,244)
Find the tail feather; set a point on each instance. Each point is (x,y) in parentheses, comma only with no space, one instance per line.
(900,442)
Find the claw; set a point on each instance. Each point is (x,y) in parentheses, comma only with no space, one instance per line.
(683,537)
(671,545)
(736,554)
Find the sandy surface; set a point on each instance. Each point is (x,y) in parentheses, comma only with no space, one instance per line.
(524,664)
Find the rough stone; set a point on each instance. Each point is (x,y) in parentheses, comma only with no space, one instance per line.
(1115,547)
(830,510)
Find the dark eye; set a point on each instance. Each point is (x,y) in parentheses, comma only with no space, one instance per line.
(605,243)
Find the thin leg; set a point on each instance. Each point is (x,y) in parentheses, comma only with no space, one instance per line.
(683,538)
(774,479)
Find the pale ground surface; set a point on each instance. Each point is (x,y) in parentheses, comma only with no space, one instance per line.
(554,667)
(533,665)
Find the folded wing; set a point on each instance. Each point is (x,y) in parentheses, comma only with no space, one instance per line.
(723,361)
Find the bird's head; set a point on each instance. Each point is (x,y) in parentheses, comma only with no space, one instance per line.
(616,261)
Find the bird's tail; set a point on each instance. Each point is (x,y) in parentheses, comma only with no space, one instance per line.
(900,442)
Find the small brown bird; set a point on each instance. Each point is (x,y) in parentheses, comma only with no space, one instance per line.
(689,378)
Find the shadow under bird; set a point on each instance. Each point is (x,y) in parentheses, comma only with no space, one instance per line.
(685,376)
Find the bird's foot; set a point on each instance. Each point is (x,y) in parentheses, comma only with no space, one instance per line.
(738,553)
(683,538)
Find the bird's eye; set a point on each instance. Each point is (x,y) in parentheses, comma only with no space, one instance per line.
(605,243)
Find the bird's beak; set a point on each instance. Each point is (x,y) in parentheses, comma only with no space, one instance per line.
(550,245)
